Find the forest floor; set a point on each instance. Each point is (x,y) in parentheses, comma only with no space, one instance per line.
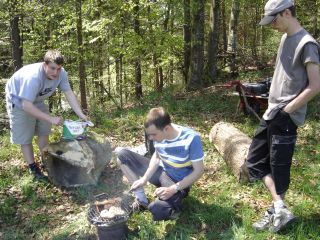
(218,207)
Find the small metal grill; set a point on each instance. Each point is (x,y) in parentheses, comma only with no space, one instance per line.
(95,210)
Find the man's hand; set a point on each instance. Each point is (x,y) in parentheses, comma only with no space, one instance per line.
(56,120)
(164,193)
(139,183)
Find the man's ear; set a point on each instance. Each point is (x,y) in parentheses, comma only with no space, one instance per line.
(166,128)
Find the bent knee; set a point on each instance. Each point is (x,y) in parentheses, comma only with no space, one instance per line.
(123,156)
(161,210)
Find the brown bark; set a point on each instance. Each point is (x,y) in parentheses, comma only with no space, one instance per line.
(213,39)
(82,71)
(197,46)
(233,145)
(187,40)
(16,43)
(137,65)
(232,37)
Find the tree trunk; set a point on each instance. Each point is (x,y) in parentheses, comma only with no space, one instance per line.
(82,71)
(213,39)
(232,38)
(137,65)
(233,145)
(101,56)
(224,32)
(16,43)
(187,40)
(197,45)
(156,73)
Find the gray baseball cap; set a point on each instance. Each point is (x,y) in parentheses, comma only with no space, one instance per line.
(273,7)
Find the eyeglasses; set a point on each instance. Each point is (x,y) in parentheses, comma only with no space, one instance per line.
(275,19)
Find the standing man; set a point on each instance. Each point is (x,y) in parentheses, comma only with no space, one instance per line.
(175,165)
(295,82)
(29,116)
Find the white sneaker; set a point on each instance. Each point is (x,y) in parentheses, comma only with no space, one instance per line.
(265,221)
(281,220)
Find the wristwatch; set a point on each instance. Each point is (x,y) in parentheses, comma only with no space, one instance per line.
(177,187)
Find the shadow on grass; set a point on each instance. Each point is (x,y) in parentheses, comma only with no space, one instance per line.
(204,221)
(68,237)
(304,227)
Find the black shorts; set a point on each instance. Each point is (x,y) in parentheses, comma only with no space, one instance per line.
(272,149)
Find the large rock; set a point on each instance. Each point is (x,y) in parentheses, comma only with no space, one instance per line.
(233,145)
(76,163)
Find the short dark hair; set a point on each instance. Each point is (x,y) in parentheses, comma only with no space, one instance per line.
(53,56)
(292,10)
(158,117)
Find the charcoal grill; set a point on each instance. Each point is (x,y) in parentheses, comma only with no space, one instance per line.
(109,228)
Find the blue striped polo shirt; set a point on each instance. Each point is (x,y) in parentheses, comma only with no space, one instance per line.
(177,154)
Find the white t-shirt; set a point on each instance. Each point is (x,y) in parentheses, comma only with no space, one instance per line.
(31,83)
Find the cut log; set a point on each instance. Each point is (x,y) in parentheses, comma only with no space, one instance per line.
(233,145)
(77,163)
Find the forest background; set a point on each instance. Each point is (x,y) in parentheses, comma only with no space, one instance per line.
(124,57)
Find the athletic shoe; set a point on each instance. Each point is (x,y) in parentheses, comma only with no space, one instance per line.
(35,171)
(265,221)
(281,220)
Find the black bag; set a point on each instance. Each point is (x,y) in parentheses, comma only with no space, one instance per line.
(259,88)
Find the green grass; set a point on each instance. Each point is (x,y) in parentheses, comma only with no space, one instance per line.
(218,207)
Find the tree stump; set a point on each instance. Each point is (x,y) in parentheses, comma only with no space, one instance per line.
(233,145)
(76,163)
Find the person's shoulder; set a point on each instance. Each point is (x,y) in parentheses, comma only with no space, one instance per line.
(63,74)
(28,71)
(187,132)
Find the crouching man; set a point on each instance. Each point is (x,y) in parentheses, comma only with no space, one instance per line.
(175,165)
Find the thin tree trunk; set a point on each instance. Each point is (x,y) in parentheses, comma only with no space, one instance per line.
(100,56)
(224,32)
(197,48)
(187,40)
(213,39)
(16,43)
(82,71)
(232,38)
(171,65)
(156,73)
(120,79)
(137,64)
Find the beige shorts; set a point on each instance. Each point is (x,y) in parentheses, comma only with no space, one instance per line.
(24,126)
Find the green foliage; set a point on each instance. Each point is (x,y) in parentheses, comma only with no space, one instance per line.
(8,209)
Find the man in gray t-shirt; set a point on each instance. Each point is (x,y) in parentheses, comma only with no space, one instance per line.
(29,116)
(296,80)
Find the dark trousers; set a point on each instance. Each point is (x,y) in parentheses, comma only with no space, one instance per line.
(160,209)
(272,149)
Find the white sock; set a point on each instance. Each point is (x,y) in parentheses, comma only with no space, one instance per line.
(278,205)
(141,196)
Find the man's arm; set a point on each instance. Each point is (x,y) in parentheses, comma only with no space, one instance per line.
(72,100)
(29,107)
(152,168)
(311,90)
(198,169)
(167,192)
